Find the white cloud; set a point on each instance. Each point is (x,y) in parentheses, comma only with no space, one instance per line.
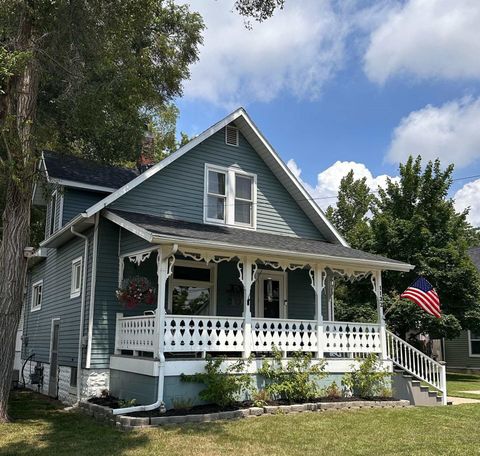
(328,181)
(427,38)
(296,51)
(468,197)
(450,132)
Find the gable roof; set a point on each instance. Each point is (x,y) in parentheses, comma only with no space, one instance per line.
(73,171)
(267,153)
(158,229)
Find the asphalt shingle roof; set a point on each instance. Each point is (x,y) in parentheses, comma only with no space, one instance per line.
(188,230)
(68,167)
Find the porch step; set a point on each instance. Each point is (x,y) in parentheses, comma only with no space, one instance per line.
(405,386)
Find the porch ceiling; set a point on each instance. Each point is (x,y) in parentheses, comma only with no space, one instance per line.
(160,230)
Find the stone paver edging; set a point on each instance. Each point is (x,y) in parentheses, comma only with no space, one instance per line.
(126,423)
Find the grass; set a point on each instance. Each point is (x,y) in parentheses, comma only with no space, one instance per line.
(457,383)
(42,427)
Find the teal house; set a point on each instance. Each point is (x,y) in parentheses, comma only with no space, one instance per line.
(216,250)
(463,353)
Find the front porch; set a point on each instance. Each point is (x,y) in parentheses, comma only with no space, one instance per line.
(225,303)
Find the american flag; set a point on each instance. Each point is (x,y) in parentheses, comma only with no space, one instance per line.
(422,293)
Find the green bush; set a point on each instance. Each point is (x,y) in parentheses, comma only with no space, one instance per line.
(294,380)
(332,391)
(222,387)
(369,379)
(260,398)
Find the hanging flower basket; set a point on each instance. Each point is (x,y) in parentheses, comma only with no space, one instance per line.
(136,291)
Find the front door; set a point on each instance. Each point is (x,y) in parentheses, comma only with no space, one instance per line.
(53,380)
(271,302)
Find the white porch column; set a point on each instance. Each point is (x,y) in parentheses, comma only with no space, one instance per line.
(247,272)
(377,289)
(165,259)
(318,276)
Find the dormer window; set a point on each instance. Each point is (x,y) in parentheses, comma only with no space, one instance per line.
(230,197)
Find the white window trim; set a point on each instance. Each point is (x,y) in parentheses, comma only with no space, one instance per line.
(470,340)
(35,285)
(76,292)
(238,136)
(230,197)
(212,284)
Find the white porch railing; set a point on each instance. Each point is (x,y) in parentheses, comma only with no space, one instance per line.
(286,335)
(348,337)
(184,333)
(417,363)
(187,333)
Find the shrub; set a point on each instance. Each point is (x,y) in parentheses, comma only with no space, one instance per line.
(294,380)
(369,379)
(222,387)
(260,398)
(332,391)
(182,403)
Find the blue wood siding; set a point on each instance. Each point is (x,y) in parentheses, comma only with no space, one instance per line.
(457,353)
(76,201)
(130,242)
(55,271)
(178,190)
(106,304)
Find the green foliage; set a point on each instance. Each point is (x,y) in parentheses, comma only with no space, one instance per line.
(124,403)
(259,10)
(294,380)
(222,386)
(350,214)
(260,398)
(414,221)
(333,391)
(368,379)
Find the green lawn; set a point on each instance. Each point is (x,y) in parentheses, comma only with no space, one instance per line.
(457,383)
(42,428)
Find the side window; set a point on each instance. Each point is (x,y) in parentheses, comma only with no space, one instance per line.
(54,213)
(76,282)
(37,294)
(474,341)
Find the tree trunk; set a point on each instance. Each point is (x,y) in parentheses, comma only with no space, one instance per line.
(18,122)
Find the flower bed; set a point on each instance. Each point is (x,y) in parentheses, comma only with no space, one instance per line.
(125,422)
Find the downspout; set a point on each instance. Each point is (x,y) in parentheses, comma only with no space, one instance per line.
(82,312)
(159,323)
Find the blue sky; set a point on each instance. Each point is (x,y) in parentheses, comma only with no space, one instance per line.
(353,84)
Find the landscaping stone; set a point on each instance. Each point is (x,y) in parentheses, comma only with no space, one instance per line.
(256,411)
(127,423)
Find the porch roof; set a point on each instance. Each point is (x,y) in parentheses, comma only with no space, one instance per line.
(155,229)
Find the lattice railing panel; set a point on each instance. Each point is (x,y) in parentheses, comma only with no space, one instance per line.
(185,333)
(346,337)
(286,335)
(135,333)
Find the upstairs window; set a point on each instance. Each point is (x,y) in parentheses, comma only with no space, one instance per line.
(474,342)
(230,196)
(76,281)
(37,294)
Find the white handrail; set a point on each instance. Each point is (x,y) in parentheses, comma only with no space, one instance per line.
(416,363)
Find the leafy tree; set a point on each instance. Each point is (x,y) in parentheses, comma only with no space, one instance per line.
(84,77)
(259,10)
(350,214)
(413,220)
